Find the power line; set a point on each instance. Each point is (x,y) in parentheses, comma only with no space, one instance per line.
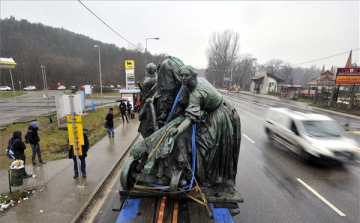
(316,59)
(326,57)
(105,23)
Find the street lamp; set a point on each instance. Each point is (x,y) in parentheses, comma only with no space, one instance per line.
(98,46)
(46,90)
(146,53)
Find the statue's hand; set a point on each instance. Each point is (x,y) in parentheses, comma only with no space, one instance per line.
(173,133)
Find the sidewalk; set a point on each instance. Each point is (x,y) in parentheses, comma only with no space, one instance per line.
(60,199)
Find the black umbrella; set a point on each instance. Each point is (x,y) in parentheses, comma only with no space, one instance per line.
(121,99)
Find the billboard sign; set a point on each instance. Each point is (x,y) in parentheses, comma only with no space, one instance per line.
(348,76)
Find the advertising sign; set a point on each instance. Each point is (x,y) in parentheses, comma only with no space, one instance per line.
(129,64)
(348,76)
(129,97)
(348,80)
(130,74)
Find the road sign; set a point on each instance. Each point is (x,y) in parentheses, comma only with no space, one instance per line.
(79,136)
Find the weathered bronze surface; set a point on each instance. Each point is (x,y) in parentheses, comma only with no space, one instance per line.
(165,154)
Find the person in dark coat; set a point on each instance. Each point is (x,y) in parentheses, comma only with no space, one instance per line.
(85,149)
(34,140)
(19,148)
(129,107)
(122,108)
(110,122)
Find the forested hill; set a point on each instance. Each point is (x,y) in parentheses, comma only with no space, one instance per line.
(69,58)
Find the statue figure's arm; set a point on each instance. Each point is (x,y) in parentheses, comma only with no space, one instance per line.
(175,132)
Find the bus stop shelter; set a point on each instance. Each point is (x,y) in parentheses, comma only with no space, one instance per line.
(129,94)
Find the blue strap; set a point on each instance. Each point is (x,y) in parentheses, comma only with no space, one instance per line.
(193,146)
(174,105)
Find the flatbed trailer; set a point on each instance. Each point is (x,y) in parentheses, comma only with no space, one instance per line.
(143,207)
(165,209)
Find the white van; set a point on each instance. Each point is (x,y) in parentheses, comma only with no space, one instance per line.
(309,134)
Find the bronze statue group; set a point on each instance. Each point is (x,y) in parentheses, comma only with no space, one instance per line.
(188,129)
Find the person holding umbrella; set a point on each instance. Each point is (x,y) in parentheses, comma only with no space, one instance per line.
(129,107)
(122,108)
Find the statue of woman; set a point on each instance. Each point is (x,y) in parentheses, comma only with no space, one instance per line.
(218,133)
(218,136)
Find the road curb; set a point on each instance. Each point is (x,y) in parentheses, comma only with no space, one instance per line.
(337,113)
(99,187)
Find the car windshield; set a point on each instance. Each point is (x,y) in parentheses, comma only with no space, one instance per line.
(323,129)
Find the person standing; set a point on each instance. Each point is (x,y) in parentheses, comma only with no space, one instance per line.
(84,149)
(129,107)
(110,122)
(19,148)
(122,108)
(34,140)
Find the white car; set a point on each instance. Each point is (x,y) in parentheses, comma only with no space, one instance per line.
(30,88)
(310,135)
(5,88)
(62,87)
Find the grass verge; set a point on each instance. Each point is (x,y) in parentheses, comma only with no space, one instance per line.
(9,94)
(53,142)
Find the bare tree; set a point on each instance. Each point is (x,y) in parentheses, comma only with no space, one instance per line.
(223,53)
(245,69)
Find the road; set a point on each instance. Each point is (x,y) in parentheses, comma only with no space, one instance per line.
(277,185)
(32,104)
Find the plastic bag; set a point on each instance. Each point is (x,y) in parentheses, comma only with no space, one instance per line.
(17,164)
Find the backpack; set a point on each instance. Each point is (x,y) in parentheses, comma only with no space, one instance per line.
(9,150)
(26,138)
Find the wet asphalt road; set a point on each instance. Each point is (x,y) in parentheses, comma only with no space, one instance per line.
(270,177)
(34,104)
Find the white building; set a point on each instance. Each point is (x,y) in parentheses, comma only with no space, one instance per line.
(265,82)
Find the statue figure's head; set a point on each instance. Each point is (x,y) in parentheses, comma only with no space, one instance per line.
(151,68)
(188,75)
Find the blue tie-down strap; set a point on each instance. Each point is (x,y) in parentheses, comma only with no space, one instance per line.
(221,215)
(129,211)
(193,146)
(174,105)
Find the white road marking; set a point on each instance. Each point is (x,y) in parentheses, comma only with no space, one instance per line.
(321,197)
(248,138)
(237,108)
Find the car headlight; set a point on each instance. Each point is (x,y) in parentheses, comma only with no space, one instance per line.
(322,149)
(355,148)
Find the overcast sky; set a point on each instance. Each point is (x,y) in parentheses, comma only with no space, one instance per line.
(295,32)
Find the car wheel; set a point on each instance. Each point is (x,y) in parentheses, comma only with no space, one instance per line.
(270,134)
(305,156)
